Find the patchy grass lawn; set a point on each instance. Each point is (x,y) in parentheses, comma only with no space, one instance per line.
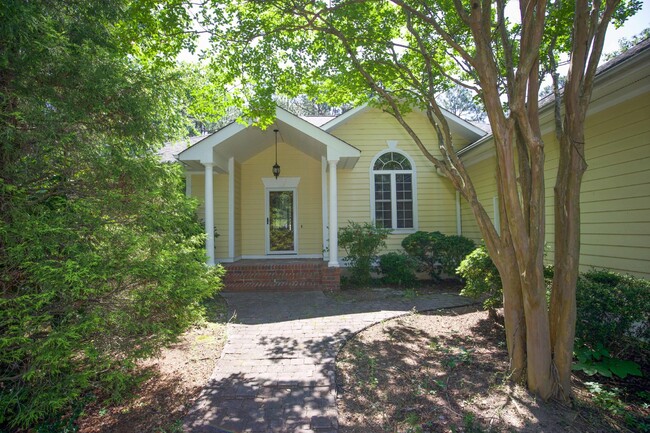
(170,382)
(446,371)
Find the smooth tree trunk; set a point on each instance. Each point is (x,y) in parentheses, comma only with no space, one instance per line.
(513,315)
(562,313)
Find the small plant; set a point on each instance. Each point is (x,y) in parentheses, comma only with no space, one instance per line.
(464,356)
(362,243)
(414,422)
(599,361)
(410,294)
(397,269)
(482,279)
(606,398)
(471,425)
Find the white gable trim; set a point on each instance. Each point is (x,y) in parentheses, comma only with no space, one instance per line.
(344,117)
(203,150)
(336,148)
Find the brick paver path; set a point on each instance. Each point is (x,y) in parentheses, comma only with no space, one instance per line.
(277,369)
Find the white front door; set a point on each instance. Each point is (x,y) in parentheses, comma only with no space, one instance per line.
(281,221)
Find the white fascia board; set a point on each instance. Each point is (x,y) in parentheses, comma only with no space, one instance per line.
(203,150)
(337,121)
(461,123)
(336,148)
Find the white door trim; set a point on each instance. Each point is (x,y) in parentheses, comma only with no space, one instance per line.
(267,231)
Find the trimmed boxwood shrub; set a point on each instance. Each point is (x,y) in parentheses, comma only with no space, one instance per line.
(436,252)
(398,269)
(613,310)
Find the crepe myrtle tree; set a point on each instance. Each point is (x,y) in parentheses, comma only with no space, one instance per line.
(401,55)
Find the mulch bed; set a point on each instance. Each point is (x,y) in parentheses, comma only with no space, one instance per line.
(446,371)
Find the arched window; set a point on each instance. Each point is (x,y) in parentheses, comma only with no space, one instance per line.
(393,201)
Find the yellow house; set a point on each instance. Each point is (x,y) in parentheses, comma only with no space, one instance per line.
(360,166)
(363,166)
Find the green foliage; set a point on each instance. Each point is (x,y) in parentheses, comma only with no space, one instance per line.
(436,252)
(481,278)
(599,361)
(613,310)
(625,44)
(101,254)
(422,247)
(460,101)
(397,268)
(606,398)
(362,243)
(452,250)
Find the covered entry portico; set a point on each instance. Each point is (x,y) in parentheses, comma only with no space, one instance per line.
(256,215)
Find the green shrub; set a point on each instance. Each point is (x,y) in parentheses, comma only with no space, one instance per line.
(362,243)
(94,282)
(613,310)
(423,247)
(436,252)
(452,250)
(481,279)
(398,269)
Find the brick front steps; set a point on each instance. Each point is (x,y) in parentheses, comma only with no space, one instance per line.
(280,275)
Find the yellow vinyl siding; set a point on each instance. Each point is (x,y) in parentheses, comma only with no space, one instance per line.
(220,190)
(483,175)
(293,163)
(615,197)
(369,132)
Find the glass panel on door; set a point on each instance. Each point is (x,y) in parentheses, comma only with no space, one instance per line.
(281,221)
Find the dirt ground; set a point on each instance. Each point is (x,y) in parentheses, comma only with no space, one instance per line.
(173,381)
(447,372)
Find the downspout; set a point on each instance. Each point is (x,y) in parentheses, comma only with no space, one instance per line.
(459,219)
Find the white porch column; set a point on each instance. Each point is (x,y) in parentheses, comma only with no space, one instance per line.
(325,213)
(209,213)
(231,208)
(333,220)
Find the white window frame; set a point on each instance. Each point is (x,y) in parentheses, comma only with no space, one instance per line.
(393,190)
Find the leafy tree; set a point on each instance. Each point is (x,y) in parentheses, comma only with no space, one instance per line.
(101,254)
(302,105)
(400,54)
(625,44)
(460,101)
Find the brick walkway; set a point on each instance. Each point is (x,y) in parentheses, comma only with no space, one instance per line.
(277,370)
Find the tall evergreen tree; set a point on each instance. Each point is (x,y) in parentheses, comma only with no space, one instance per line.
(101,255)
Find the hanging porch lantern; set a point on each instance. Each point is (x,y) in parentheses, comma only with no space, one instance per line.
(276,167)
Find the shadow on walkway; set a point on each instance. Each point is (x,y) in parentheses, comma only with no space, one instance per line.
(277,370)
